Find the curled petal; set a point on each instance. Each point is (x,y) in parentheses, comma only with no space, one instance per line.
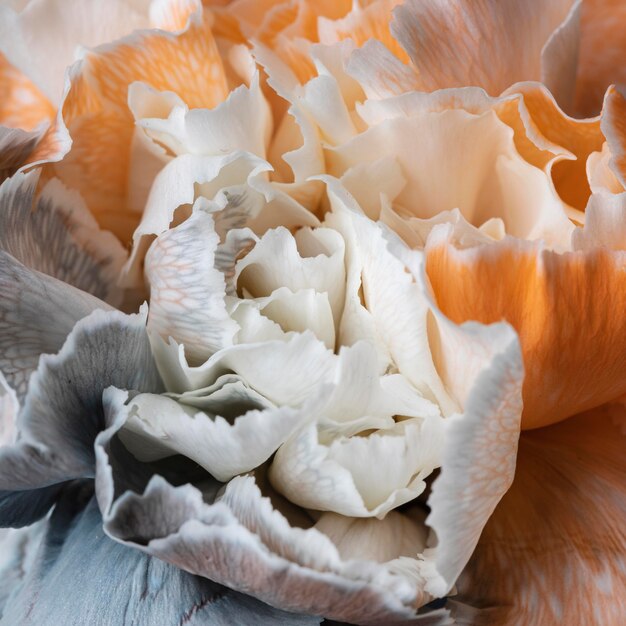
(16,145)
(100,123)
(359,476)
(145,588)
(241,541)
(187,291)
(225,448)
(548,298)
(62,412)
(500,183)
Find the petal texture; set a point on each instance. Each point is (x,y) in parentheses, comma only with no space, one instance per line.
(554,549)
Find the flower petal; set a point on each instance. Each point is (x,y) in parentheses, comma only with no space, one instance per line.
(225,448)
(62,412)
(23,105)
(500,183)
(614,129)
(18,548)
(554,549)
(241,541)
(37,313)
(602,47)
(187,291)
(437,36)
(118,583)
(550,299)
(358,476)
(241,122)
(15,147)
(52,231)
(399,534)
(41,40)
(97,116)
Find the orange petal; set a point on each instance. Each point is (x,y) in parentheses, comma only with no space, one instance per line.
(22,105)
(554,551)
(602,52)
(567,308)
(99,120)
(362,24)
(580,137)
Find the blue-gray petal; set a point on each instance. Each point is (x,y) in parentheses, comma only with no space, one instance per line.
(63,412)
(81,577)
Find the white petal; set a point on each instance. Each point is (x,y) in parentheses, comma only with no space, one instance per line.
(361,476)
(284,312)
(222,447)
(302,360)
(241,122)
(312,259)
(398,306)
(187,291)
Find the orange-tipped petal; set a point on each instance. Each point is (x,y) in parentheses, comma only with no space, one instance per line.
(99,120)
(554,550)
(580,137)
(567,308)
(362,24)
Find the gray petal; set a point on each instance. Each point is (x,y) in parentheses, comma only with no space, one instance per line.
(37,313)
(52,231)
(63,411)
(80,576)
(15,147)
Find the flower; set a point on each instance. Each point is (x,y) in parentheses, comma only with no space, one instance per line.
(374,243)
(263,357)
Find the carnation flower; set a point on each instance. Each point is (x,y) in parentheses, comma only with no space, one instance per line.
(281,283)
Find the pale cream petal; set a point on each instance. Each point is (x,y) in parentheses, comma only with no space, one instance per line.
(500,183)
(44,38)
(399,534)
(364,476)
(312,259)
(605,223)
(380,73)
(394,302)
(284,312)
(241,122)
(301,358)
(614,129)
